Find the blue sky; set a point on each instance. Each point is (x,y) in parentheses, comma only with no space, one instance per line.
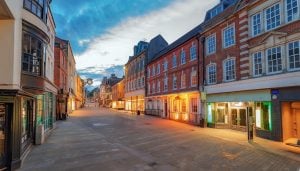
(103,32)
(79,20)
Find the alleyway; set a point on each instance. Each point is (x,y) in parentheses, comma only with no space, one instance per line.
(102,139)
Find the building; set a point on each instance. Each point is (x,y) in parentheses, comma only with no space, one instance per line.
(118,95)
(61,76)
(135,73)
(27,91)
(79,92)
(105,91)
(172,80)
(71,80)
(251,64)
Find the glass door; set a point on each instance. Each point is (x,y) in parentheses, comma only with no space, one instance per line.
(234,118)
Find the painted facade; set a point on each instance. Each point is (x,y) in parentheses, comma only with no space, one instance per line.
(27,91)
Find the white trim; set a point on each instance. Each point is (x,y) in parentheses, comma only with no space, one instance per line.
(206,44)
(265,18)
(234,34)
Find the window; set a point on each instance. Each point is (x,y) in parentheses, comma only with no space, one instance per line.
(174,82)
(35,6)
(33,50)
(149,72)
(293,55)
(183,80)
(153,87)
(263,115)
(194,105)
(166,83)
(149,88)
(256,24)
(292,10)
(158,86)
(183,57)
(165,65)
(228,36)
(153,70)
(158,69)
(212,74)
(193,52)
(183,106)
(274,60)
(272,17)
(174,60)
(193,77)
(211,44)
(229,69)
(257,64)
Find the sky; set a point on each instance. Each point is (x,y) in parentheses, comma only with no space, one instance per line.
(103,32)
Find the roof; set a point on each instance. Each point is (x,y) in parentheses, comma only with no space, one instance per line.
(178,42)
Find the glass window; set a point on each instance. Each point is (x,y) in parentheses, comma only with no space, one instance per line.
(35,6)
(211,44)
(183,106)
(263,115)
(193,52)
(183,80)
(274,60)
(165,65)
(153,87)
(33,49)
(257,64)
(194,105)
(292,10)
(183,57)
(229,69)
(153,70)
(149,72)
(158,86)
(174,61)
(293,55)
(272,15)
(228,36)
(212,74)
(256,24)
(158,69)
(166,83)
(174,82)
(193,77)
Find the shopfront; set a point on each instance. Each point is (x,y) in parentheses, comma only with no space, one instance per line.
(4,132)
(235,110)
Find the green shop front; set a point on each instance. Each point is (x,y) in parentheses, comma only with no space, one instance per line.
(238,110)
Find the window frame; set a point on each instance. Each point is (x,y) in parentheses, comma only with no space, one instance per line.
(267,61)
(208,74)
(265,17)
(207,44)
(260,24)
(254,64)
(193,52)
(286,12)
(288,56)
(225,69)
(223,36)
(182,56)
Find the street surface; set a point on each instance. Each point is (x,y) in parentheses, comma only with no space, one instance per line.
(103,139)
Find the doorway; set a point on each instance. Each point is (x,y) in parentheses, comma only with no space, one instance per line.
(291,120)
(239,118)
(166,109)
(4,133)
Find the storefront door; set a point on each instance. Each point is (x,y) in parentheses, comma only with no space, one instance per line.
(238,118)
(296,123)
(3,135)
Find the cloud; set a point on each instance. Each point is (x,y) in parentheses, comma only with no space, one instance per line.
(171,22)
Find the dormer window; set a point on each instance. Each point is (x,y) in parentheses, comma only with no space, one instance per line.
(216,11)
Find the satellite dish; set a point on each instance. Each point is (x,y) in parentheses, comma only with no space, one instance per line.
(89,81)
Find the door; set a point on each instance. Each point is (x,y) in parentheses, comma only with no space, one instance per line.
(166,109)
(239,118)
(3,135)
(296,123)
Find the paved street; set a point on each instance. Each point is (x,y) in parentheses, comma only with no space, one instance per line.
(102,139)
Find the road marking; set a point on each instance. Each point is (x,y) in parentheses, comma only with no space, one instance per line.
(99,124)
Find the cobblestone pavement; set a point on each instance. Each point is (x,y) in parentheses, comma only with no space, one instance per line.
(102,139)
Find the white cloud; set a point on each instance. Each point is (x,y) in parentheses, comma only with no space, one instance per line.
(171,22)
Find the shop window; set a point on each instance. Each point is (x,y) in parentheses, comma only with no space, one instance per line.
(175,105)
(183,106)
(222,113)
(194,105)
(25,122)
(33,50)
(263,115)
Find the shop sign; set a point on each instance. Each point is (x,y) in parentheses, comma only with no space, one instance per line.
(275,92)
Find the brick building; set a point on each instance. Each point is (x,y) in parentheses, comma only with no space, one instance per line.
(105,91)
(135,73)
(61,76)
(173,80)
(251,59)
(118,95)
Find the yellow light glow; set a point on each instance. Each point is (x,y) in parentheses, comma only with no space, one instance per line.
(186,117)
(176,116)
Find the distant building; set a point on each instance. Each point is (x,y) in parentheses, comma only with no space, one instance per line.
(79,92)
(105,94)
(118,95)
(135,73)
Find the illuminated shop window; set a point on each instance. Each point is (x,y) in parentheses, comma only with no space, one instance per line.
(263,115)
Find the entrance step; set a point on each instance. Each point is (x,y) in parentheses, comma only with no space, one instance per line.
(293,142)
